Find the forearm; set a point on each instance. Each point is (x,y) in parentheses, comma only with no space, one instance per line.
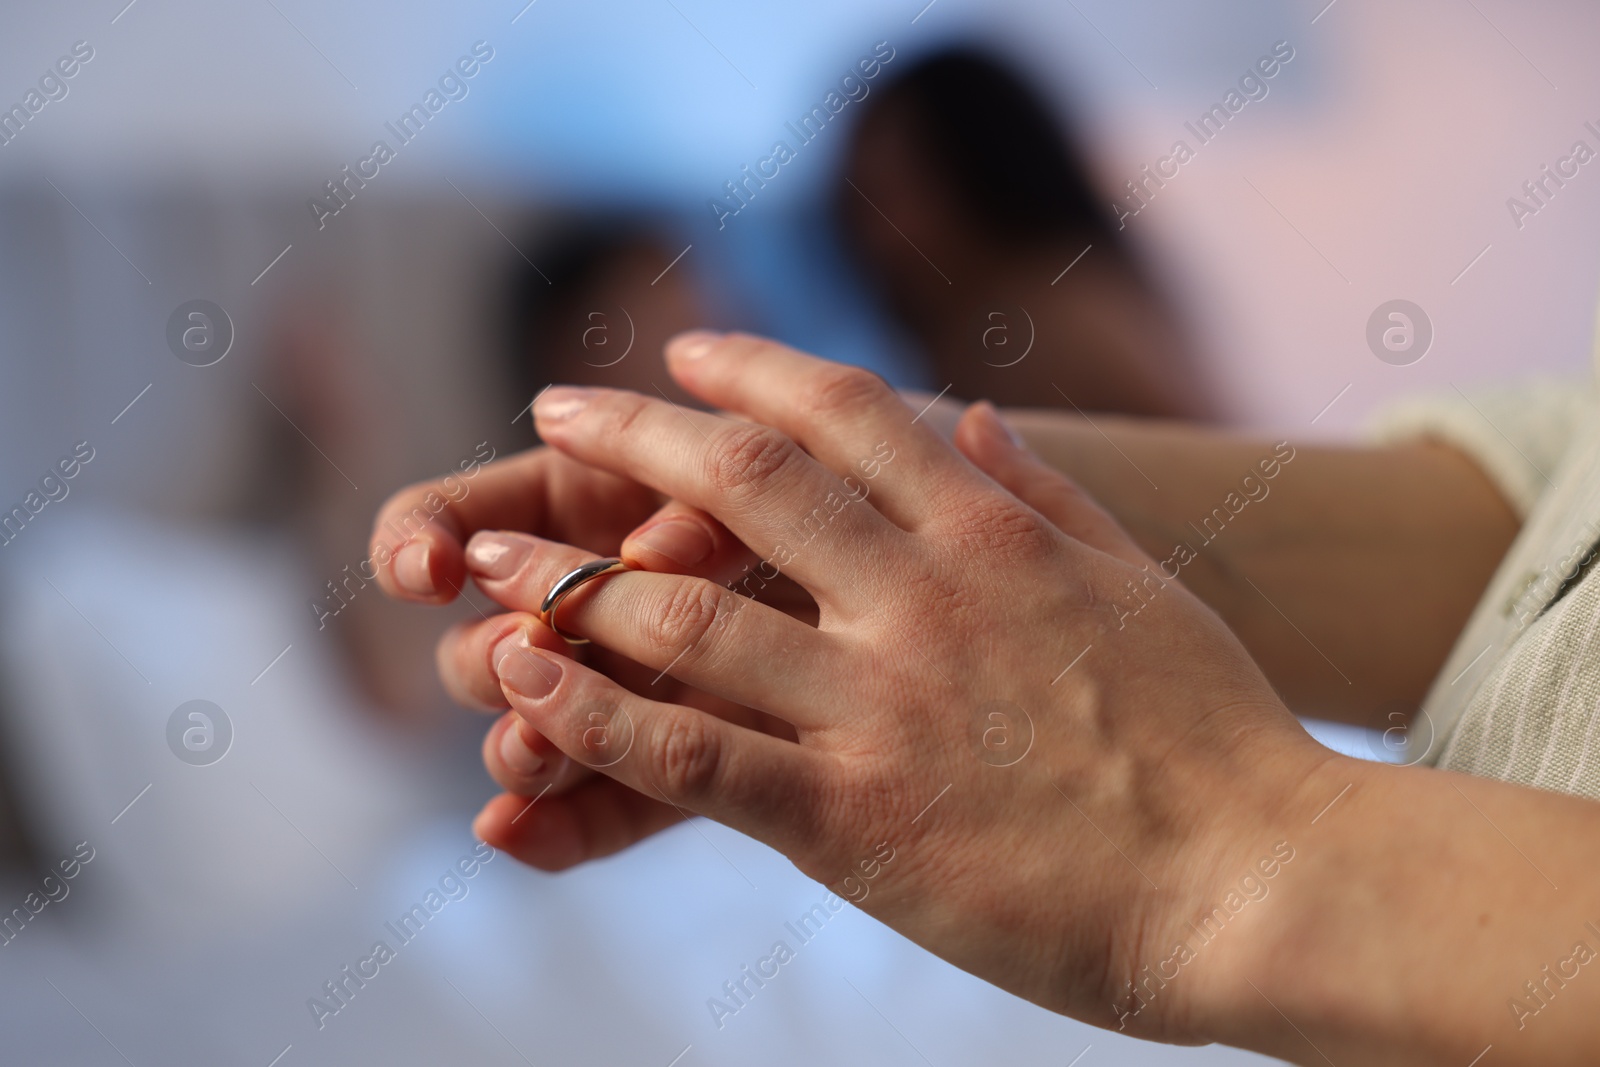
(1422,922)
(1348,574)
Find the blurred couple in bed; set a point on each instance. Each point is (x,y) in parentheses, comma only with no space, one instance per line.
(965,207)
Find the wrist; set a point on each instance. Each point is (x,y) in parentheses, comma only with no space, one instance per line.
(1334,968)
(1257,944)
(1224,889)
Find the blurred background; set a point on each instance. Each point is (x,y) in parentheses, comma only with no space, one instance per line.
(559,212)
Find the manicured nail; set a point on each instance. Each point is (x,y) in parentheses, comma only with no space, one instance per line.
(495,555)
(560,402)
(693,344)
(517,754)
(523,671)
(411,569)
(682,542)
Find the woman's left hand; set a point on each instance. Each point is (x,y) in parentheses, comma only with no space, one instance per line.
(1014,740)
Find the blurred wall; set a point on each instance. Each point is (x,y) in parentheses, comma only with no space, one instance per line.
(1378,167)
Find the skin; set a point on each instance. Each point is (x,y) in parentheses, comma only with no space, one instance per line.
(1378,555)
(1370,914)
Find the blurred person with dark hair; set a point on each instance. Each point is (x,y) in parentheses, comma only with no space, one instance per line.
(599,305)
(973,209)
(992,200)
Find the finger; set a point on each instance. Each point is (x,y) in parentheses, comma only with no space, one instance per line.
(465,662)
(523,761)
(779,501)
(848,418)
(701,633)
(554,832)
(983,438)
(418,534)
(516,570)
(940,411)
(680,539)
(757,784)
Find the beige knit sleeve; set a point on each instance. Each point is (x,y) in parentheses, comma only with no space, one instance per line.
(1516,434)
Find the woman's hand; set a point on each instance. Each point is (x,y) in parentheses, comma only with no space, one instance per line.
(419,536)
(1063,756)
(428,537)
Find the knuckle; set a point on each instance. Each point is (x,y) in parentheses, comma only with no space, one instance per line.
(1003,530)
(746,458)
(625,410)
(685,619)
(686,755)
(836,390)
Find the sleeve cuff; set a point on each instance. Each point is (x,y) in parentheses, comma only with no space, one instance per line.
(1516,435)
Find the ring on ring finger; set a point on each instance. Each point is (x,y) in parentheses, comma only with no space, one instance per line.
(568,584)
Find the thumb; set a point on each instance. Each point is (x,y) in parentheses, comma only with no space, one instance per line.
(996,450)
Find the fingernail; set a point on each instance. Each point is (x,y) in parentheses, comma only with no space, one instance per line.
(495,555)
(411,569)
(559,402)
(522,671)
(516,753)
(682,542)
(693,344)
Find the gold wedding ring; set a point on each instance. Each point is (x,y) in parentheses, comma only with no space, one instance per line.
(568,584)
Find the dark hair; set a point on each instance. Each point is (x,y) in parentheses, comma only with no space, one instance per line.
(1013,161)
(569,261)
